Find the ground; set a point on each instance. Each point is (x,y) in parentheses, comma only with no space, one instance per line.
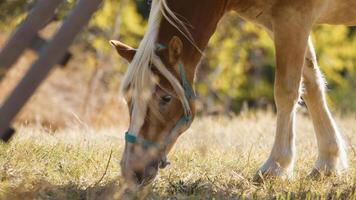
(216,158)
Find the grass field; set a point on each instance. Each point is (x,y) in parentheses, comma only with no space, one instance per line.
(216,158)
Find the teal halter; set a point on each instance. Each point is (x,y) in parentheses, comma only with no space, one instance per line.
(184,120)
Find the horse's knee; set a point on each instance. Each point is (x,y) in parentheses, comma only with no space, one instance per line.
(287,96)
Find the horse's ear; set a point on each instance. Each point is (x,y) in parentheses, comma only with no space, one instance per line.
(124,50)
(175,49)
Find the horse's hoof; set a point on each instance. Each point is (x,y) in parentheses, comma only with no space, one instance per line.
(271,170)
(258,178)
(315,174)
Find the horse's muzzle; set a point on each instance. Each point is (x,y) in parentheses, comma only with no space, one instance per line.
(145,175)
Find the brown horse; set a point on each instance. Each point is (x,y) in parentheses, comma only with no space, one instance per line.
(157,85)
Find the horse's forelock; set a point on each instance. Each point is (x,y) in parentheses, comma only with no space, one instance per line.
(138,79)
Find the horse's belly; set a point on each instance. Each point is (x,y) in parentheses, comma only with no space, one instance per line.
(339,12)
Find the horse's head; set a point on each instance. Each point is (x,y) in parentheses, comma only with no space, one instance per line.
(158,84)
(160,111)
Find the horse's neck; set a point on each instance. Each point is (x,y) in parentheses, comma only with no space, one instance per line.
(202,17)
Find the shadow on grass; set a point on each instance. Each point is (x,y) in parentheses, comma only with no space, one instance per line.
(45,190)
(111,190)
(194,189)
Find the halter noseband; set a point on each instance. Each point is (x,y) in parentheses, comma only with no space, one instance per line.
(186,119)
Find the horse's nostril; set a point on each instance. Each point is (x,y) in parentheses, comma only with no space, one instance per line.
(139,175)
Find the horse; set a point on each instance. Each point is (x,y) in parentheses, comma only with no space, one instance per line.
(158,85)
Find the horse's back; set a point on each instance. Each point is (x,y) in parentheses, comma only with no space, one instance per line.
(339,12)
(325,11)
(342,12)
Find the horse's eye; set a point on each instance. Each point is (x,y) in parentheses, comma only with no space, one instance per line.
(166,99)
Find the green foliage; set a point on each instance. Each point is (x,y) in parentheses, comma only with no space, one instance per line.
(114,20)
(143,8)
(244,53)
(336,50)
(11,12)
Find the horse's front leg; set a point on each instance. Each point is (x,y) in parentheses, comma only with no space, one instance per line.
(291,38)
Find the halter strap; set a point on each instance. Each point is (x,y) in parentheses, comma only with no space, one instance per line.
(189,92)
(130,138)
(161,46)
(184,120)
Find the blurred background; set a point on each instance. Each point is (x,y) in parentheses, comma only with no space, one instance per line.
(236,74)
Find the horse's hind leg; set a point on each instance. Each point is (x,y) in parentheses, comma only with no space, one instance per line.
(332,156)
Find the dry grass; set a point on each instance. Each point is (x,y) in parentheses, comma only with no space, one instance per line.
(216,158)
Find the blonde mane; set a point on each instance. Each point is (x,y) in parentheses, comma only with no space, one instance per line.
(139,81)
